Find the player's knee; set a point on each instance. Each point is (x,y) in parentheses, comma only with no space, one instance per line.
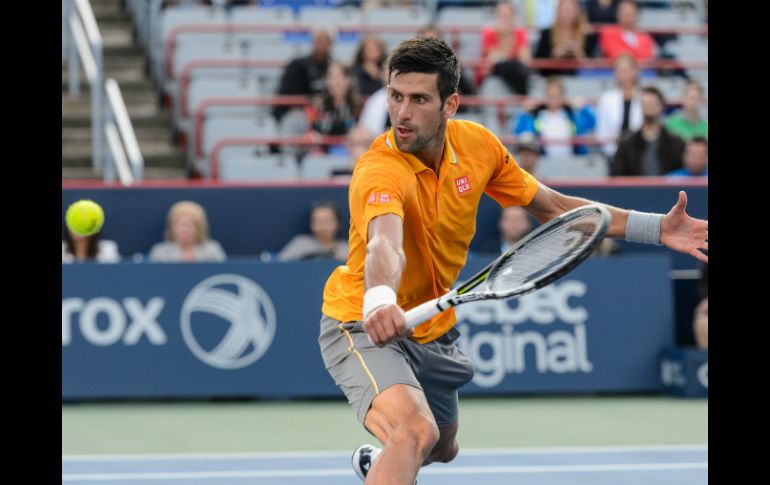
(445,452)
(418,433)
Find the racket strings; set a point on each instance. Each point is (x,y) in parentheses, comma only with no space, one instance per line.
(545,253)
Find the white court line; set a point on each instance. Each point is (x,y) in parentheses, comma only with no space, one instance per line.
(346,453)
(345,472)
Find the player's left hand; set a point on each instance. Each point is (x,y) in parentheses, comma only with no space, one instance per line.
(683,233)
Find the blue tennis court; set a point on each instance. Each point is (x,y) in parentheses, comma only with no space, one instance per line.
(630,465)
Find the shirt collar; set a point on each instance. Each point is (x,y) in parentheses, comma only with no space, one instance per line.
(449,155)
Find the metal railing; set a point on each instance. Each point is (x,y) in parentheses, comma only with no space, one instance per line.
(109,120)
(84,45)
(123,147)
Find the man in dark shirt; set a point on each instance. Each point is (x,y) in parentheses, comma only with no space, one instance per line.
(305,75)
(652,150)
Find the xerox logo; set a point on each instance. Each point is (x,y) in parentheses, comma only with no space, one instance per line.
(228,321)
(105,321)
(508,337)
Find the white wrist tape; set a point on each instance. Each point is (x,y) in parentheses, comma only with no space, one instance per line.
(376,297)
(643,227)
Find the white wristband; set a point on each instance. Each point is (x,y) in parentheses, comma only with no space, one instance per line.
(376,297)
(643,227)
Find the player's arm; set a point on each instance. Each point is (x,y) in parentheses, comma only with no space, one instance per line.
(676,230)
(383,318)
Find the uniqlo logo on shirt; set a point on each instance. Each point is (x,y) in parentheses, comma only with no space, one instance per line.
(462,185)
(372,198)
(384,198)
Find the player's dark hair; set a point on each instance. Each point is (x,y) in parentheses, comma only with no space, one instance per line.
(431,56)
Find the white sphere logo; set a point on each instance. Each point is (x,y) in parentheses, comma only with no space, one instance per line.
(246,308)
(703,375)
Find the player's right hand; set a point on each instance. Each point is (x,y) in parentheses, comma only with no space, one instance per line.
(386,324)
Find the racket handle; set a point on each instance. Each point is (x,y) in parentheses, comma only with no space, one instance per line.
(423,312)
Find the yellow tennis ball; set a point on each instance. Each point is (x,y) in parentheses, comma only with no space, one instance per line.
(84,217)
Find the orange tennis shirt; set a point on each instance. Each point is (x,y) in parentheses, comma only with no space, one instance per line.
(439,214)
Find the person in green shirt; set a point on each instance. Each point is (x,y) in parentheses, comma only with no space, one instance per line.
(688,122)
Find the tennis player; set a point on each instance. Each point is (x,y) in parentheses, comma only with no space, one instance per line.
(413,201)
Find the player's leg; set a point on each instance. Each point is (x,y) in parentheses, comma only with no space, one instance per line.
(401,419)
(443,368)
(447,447)
(380,385)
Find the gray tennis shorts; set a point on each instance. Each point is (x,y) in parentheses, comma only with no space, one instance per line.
(362,370)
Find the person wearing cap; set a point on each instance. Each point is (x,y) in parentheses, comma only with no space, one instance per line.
(528,152)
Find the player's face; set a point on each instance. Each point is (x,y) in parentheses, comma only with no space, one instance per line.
(416,113)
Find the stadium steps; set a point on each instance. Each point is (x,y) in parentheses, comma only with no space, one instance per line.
(126,62)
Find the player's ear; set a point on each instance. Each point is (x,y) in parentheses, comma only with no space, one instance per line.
(451,103)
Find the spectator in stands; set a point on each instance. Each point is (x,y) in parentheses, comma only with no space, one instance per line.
(619,111)
(625,37)
(513,225)
(505,50)
(337,108)
(602,11)
(466,86)
(369,64)
(305,75)
(696,159)
(187,237)
(322,243)
(701,318)
(555,121)
(357,141)
(528,152)
(374,114)
(569,38)
(78,249)
(688,122)
(652,150)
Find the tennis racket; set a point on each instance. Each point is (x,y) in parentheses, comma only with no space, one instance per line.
(543,256)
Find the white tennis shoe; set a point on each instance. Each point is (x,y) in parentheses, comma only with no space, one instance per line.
(363,459)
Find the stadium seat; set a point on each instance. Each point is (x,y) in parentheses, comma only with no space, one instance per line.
(574,166)
(339,17)
(243,163)
(321,166)
(217,128)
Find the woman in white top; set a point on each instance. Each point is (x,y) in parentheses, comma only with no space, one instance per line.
(619,111)
(187,237)
(77,249)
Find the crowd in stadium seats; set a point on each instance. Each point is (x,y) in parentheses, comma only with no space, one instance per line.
(513,48)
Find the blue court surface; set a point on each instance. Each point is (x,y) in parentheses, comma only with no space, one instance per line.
(626,465)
